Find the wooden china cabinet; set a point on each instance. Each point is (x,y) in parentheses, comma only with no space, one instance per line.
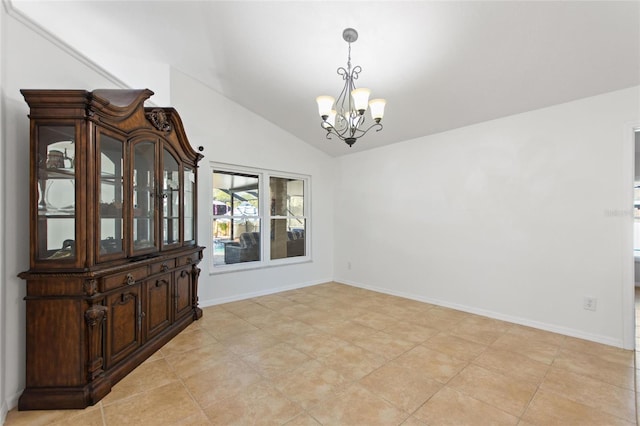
(113,254)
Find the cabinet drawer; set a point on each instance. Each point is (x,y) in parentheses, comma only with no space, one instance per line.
(186,260)
(126,278)
(163,266)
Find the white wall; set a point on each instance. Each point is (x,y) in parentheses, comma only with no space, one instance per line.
(231,134)
(30,59)
(517,218)
(3,179)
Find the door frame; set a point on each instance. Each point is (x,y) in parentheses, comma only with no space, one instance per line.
(627,223)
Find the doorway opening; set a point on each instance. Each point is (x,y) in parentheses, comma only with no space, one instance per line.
(636,235)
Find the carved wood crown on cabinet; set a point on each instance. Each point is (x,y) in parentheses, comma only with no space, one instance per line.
(113,253)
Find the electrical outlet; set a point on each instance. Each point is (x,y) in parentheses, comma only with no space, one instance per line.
(590,303)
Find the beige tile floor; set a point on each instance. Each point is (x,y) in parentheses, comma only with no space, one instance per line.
(332,354)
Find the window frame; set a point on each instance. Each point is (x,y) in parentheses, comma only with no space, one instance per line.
(264,216)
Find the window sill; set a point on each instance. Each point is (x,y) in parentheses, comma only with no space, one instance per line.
(250,266)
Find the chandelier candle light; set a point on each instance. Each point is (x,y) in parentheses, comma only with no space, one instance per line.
(347,121)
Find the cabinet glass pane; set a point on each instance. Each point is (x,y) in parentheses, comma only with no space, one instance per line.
(111,195)
(189,200)
(170,199)
(144,159)
(56,192)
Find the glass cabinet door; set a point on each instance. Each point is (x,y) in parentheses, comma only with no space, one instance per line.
(56,193)
(170,199)
(111,196)
(144,192)
(189,204)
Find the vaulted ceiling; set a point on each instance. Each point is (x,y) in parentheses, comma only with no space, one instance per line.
(440,65)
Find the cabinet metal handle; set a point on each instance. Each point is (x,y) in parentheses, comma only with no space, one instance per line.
(183,273)
(130,280)
(164,267)
(189,260)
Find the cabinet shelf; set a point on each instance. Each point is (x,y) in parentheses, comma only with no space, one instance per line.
(43,215)
(57,173)
(110,179)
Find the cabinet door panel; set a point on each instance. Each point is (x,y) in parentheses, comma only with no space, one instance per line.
(183,292)
(123,323)
(158,312)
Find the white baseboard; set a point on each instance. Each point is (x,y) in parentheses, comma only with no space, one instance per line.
(3,412)
(7,405)
(244,296)
(495,315)
(470,309)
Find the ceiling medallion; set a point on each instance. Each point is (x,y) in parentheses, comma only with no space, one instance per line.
(347,120)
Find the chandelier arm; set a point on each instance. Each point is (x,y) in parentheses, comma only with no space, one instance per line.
(364,132)
(342,97)
(348,126)
(356,72)
(331,131)
(343,73)
(348,96)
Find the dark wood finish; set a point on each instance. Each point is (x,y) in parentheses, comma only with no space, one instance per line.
(96,308)
(159,304)
(183,292)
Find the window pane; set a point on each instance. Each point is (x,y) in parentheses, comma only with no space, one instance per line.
(244,246)
(288,224)
(287,196)
(236,218)
(288,238)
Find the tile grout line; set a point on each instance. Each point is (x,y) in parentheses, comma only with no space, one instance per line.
(533,396)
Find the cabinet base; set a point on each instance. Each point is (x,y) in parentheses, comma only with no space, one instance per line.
(63,398)
(55,398)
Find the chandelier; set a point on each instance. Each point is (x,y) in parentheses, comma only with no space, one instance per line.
(347,120)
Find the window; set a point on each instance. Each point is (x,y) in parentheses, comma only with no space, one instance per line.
(249,204)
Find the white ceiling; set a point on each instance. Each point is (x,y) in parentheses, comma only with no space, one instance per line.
(440,65)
